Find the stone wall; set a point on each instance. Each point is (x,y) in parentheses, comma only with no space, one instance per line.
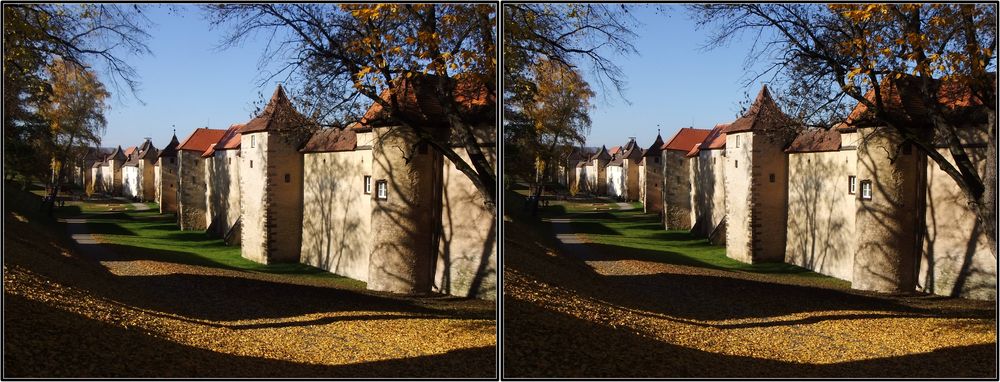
(191,208)
(147,187)
(770,196)
(336,229)
(467,255)
(167,184)
(284,203)
(651,184)
(885,225)
(821,212)
(403,223)
(630,170)
(223,197)
(956,258)
(708,194)
(676,189)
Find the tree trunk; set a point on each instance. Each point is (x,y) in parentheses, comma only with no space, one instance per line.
(986,209)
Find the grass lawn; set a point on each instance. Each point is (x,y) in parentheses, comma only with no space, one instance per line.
(151,236)
(633,234)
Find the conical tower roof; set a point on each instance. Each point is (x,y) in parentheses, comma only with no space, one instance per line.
(655,148)
(171,149)
(764,114)
(279,114)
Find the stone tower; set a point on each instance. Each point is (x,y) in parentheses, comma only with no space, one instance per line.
(271,182)
(651,178)
(676,186)
(166,177)
(191,184)
(147,159)
(757,182)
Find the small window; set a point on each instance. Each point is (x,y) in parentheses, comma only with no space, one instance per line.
(772,177)
(368,184)
(252,141)
(737,141)
(382,190)
(866,190)
(251,164)
(852,184)
(172,160)
(656,159)
(288,178)
(678,179)
(229,160)
(737,164)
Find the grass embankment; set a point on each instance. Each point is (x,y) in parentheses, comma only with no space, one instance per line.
(632,234)
(150,235)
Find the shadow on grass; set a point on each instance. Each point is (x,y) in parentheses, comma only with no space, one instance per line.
(226,298)
(569,349)
(102,350)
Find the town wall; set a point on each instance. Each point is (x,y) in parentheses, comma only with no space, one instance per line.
(739,181)
(708,196)
(886,238)
(254,196)
(402,224)
(167,184)
(336,228)
(191,207)
(676,189)
(223,196)
(467,254)
(821,212)
(956,258)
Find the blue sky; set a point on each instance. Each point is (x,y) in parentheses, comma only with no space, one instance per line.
(672,82)
(186,82)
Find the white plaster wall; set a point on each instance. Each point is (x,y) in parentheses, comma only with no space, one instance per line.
(336,229)
(708,191)
(820,229)
(130,181)
(738,192)
(956,259)
(467,257)
(615,180)
(253,178)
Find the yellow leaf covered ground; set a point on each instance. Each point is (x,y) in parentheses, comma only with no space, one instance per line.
(569,315)
(69,316)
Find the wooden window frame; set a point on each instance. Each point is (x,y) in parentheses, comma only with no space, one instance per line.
(381,189)
(867,183)
(852,184)
(368,184)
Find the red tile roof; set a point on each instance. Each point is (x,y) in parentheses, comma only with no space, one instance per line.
(201,139)
(817,140)
(331,140)
(693,152)
(279,114)
(951,94)
(229,141)
(614,150)
(130,150)
(685,138)
(764,114)
(418,102)
(716,139)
